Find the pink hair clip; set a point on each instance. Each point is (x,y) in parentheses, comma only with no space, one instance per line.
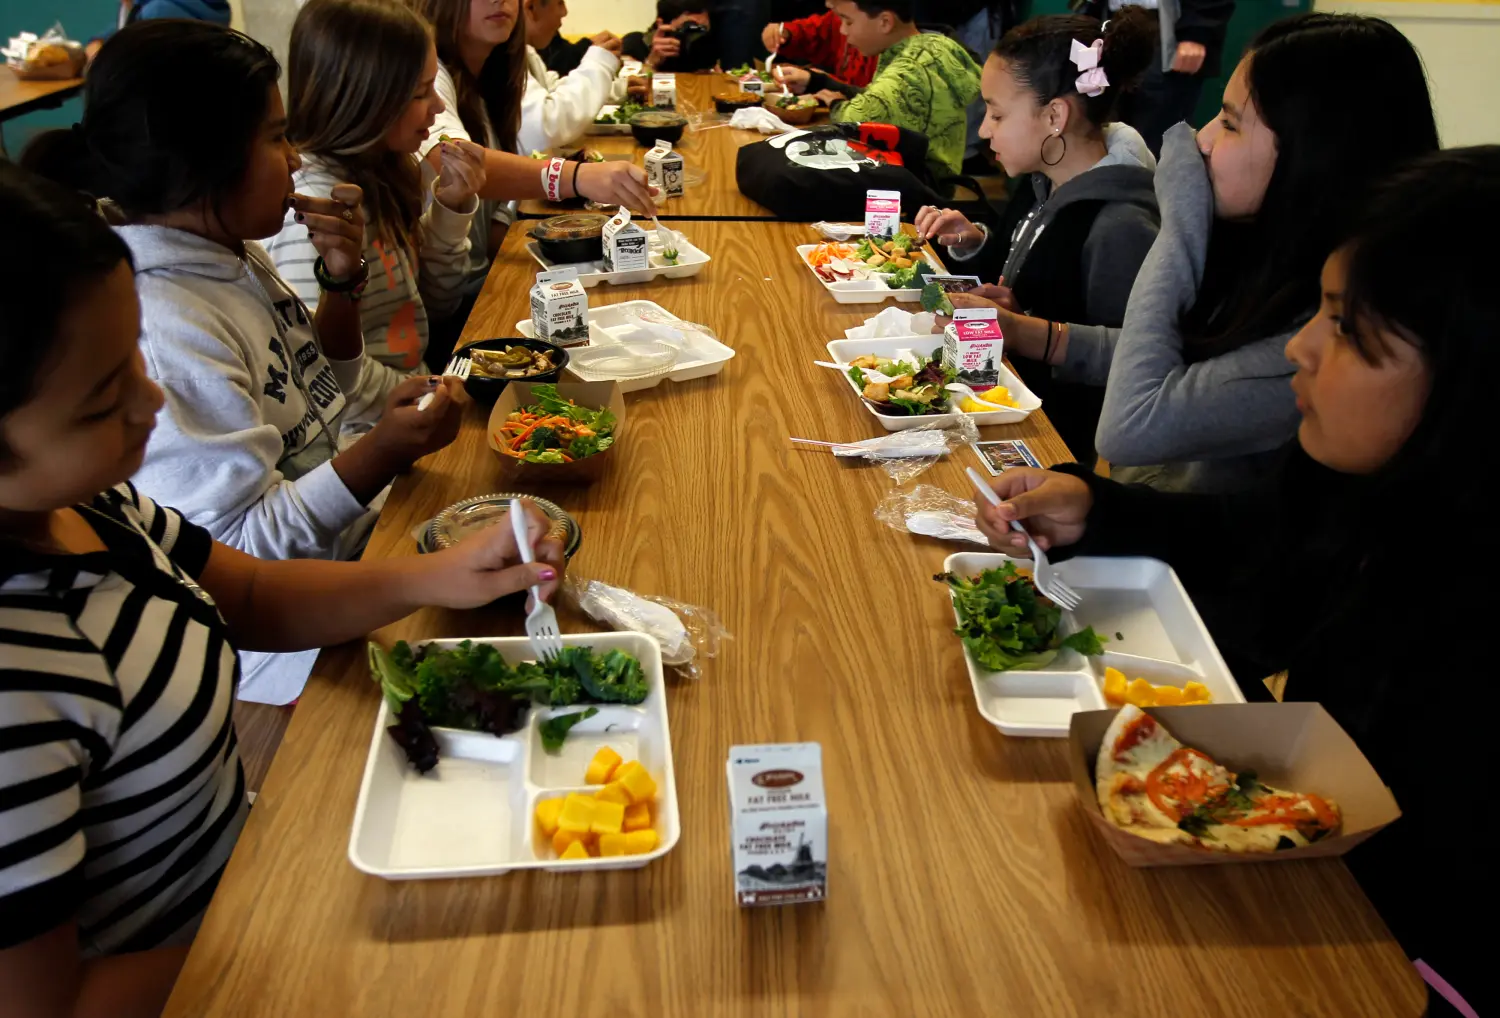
(1091,79)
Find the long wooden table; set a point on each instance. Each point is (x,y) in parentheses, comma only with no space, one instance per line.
(18,97)
(708,154)
(964,878)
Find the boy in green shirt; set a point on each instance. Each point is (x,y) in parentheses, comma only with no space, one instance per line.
(923,82)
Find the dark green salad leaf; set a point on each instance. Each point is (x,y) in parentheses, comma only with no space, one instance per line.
(555,730)
(1005,623)
(471,686)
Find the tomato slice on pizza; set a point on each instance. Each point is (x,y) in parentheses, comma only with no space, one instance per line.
(1151,785)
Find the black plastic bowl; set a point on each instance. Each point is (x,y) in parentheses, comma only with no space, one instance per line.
(567,240)
(483,389)
(651,126)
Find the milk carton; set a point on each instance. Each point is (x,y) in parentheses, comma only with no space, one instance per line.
(624,244)
(882,214)
(973,346)
(751,83)
(664,91)
(560,308)
(664,169)
(778,823)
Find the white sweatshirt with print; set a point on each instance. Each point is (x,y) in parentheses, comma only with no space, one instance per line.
(556,110)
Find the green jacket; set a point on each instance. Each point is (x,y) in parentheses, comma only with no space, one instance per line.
(925,84)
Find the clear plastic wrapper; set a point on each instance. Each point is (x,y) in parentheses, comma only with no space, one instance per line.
(685,632)
(839,232)
(956,433)
(50,57)
(931,512)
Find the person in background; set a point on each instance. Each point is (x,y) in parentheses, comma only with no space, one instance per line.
(255,386)
(121,783)
(1195,398)
(556,109)
(1393,384)
(481,80)
(682,39)
(216,11)
(923,81)
(819,40)
(362,103)
(544,20)
(1068,248)
(1192,46)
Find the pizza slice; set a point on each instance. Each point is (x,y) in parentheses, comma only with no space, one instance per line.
(1153,786)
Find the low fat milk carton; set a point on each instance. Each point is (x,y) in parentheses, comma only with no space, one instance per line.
(664,91)
(753,84)
(624,244)
(973,346)
(778,823)
(560,308)
(664,169)
(882,214)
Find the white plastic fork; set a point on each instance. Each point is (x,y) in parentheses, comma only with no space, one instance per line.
(458,366)
(541,624)
(1046,580)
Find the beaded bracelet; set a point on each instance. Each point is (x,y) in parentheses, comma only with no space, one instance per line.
(552,178)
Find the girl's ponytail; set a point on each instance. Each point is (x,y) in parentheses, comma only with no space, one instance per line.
(1040,56)
(63,155)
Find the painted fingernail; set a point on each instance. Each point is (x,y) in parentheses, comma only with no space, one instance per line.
(548,574)
(301,217)
(434,380)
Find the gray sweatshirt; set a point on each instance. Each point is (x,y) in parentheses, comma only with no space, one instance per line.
(1208,426)
(245,442)
(1119,237)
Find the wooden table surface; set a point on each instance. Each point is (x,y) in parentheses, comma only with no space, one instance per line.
(964,879)
(18,97)
(708,155)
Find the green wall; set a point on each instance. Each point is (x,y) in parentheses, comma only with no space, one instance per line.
(82,20)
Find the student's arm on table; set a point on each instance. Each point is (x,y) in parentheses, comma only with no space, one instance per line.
(266,602)
(48,977)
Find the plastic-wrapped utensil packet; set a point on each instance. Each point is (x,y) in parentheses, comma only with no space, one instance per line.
(931,512)
(839,231)
(894,322)
(758,118)
(685,632)
(652,323)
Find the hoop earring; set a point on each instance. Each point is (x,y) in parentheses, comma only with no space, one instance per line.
(1061,155)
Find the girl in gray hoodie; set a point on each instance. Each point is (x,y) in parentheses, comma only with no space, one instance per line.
(1068,246)
(255,386)
(1196,396)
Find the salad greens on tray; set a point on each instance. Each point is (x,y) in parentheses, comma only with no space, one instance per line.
(471,686)
(1006,623)
(903,388)
(622,114)
(895,261)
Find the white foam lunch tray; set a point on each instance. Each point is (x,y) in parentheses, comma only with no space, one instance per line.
(1163,641)
(472,814)
(690,262)
(607,324)
(845,350)
(607,110)
(859,291)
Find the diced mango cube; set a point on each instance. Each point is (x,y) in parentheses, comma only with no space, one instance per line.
(1114,686)
(562,840)
(613,844)
(640,842)
(547,812)
(637,781)
(609,817)
(1169,696)
(1141,693)
(613,792)
(577,813)
(1196,692)
(637,817)
(601,767)
(576,850)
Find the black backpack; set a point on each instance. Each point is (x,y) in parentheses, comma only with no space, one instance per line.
(824,172)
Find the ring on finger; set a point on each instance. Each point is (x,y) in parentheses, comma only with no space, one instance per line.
(347,215)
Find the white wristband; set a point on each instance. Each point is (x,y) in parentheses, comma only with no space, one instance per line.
(552,178)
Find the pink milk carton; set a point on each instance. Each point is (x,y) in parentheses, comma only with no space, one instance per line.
(973,346)
(882,214)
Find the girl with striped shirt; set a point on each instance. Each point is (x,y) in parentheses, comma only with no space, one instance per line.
(121,793)
(362,102)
